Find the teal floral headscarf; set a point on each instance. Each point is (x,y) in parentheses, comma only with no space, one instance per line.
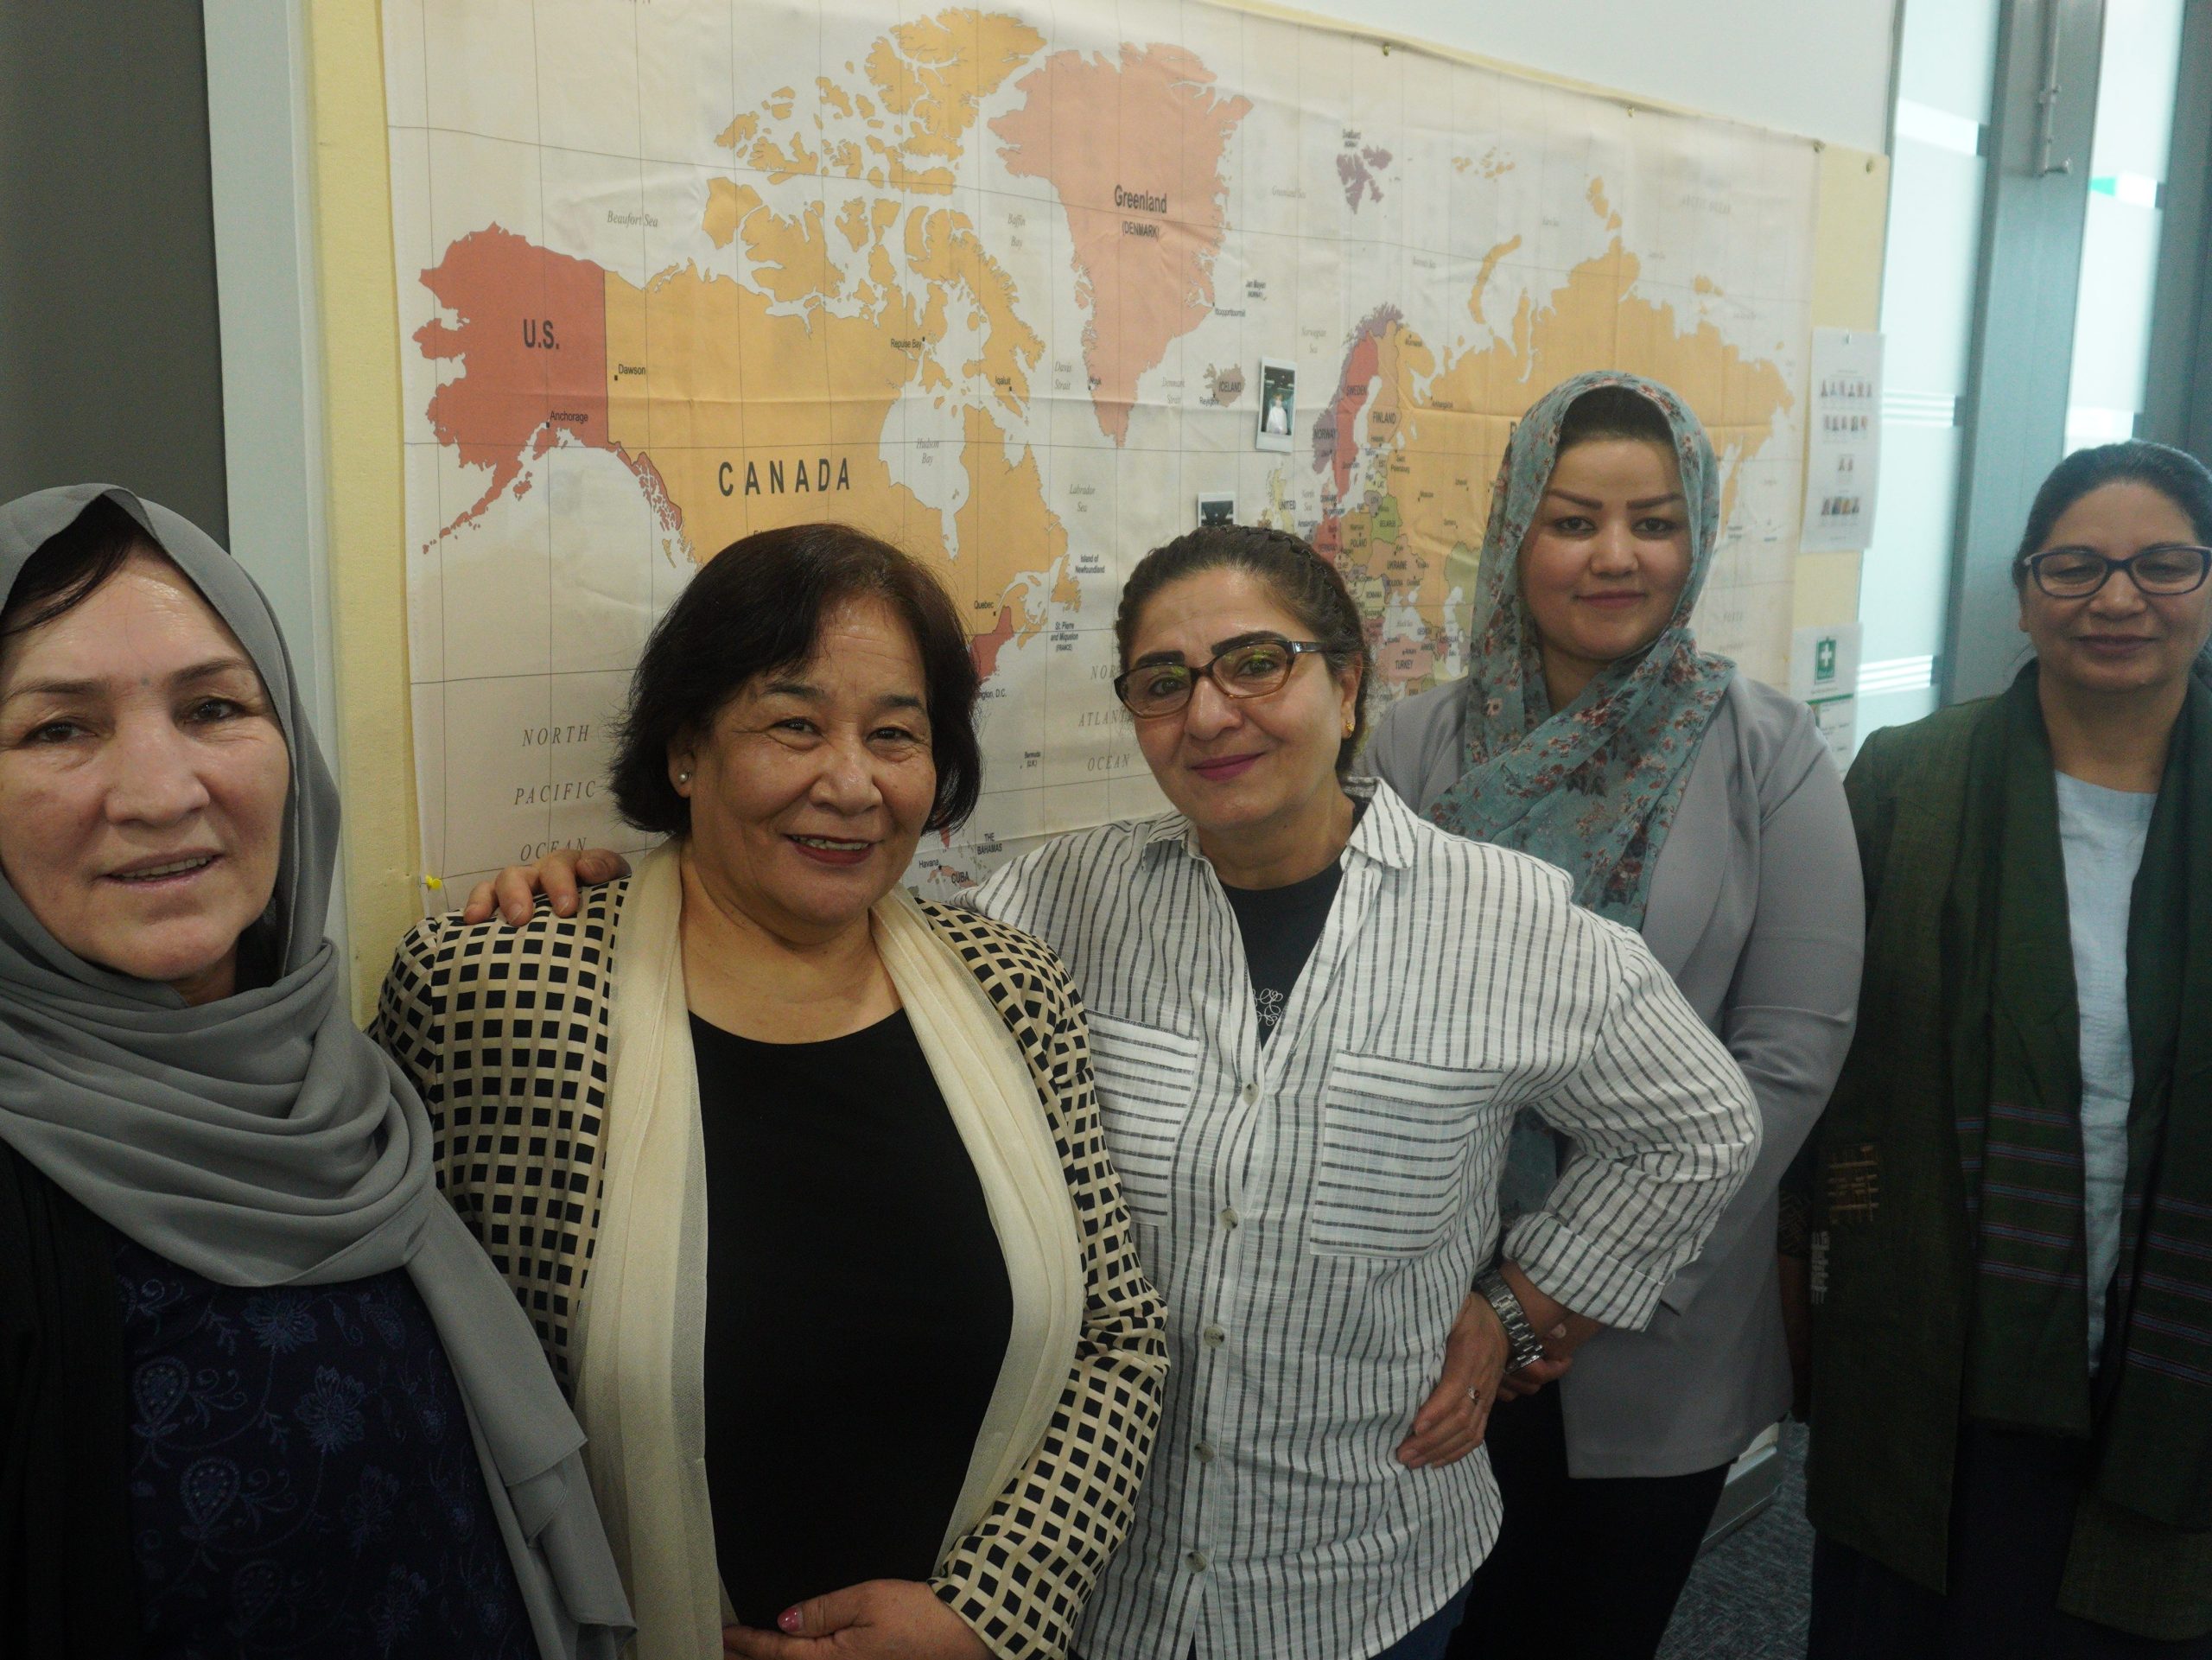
(1593,787)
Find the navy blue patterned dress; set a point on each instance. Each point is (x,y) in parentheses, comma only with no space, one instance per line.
(303,1478)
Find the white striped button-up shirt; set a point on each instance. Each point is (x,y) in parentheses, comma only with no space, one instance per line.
(1316,1210)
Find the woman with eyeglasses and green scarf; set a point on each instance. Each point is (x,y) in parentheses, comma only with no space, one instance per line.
(2012,1200)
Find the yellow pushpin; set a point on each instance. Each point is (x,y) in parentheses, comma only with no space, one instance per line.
(433,884)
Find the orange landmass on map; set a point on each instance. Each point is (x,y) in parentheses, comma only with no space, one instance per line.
(733,416)
(674,379)
(1492,261)
(943,250)
(743,404)
(937,72)
(1007,533)
(789,258)
(727,203)
(1593,320)
(1134,150)
(852,223)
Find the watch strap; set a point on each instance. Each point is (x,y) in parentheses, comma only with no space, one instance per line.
(1524,1345)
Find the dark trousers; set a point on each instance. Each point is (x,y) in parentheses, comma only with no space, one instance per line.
(1582,1570)
(1425,1642)
(2012,1500)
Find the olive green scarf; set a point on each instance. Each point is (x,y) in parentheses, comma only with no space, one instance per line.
(2016,1089)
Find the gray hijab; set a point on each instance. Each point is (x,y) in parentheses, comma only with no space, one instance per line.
(261,1139)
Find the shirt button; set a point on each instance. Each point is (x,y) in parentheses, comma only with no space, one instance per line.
(1228,1217)
(1203,1451)
(1197,1561)
(1251,1093)
(1214,1337)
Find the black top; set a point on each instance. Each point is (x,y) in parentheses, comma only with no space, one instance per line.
(67,1587)
(303,1480)
(186,1468)
(1281,927)
(858,1312)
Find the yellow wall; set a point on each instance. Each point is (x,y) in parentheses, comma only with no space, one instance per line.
(1847,241)
(362,431)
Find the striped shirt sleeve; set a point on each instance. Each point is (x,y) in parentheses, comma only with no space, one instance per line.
(1664,1128)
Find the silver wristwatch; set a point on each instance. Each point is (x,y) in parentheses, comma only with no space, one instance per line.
(1525,1345)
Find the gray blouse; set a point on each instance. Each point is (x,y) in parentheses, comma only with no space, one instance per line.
(1757,911)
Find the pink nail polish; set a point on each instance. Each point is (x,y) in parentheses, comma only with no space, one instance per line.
(787,1622)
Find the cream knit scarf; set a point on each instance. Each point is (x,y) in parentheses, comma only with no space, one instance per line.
(641,1329)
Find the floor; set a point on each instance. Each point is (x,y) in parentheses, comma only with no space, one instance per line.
(1750,1596)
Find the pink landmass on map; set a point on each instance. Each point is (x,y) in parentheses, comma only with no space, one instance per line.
(1336,429)
(1359,170)
(530,343)
(528,350)
(1133,148)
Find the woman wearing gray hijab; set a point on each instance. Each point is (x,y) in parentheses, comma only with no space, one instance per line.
(260,1392)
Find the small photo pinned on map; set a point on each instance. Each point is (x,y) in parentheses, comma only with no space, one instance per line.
(1278,404)
(1217,508)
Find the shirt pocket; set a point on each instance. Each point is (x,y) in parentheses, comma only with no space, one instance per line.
(1397,1145)
(1147,1080)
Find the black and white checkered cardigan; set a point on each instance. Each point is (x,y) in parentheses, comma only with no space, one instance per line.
(505,1031)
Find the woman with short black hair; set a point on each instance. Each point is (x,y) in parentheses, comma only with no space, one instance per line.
(803,1180)
(764,610)
(2011,1400)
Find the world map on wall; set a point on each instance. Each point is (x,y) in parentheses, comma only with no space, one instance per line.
(995,285)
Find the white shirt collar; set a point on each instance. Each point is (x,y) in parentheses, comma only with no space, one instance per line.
(1385,833)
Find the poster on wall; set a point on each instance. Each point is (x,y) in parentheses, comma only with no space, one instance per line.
(998,282)
(1824,672)
(1843,448)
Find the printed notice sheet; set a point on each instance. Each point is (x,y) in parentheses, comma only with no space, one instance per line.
(1843,450)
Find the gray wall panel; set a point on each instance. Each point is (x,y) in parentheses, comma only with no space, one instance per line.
(109,359)
(2021,359)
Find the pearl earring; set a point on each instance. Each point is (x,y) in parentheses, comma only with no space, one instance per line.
(684,777)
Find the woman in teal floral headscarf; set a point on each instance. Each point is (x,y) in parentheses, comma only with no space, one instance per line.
(1701,808)
(1591,787)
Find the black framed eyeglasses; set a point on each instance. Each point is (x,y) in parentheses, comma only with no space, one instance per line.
(1252,669)
(2076,573)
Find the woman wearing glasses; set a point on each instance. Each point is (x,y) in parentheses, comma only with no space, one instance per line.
(2012,1206)
(1313,1018)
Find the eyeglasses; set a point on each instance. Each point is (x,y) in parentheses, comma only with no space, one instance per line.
(1252,669)
(2076,573)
